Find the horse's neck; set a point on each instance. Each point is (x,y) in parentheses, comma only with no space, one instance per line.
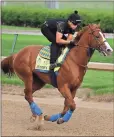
(79,53)
(80,56)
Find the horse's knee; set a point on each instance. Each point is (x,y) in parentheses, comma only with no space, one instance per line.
(28,95)
(72,105)
(29,99)
(26,98)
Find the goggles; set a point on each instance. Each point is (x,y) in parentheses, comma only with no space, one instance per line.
(76,22)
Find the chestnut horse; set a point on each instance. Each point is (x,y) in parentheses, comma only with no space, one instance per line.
(69,77)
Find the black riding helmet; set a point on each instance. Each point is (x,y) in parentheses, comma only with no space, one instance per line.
(75,18)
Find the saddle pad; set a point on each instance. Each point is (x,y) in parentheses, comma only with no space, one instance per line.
(45,52)
(43,62)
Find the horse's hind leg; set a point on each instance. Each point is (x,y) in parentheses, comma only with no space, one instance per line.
(36,85)
(30,87)
(24,73)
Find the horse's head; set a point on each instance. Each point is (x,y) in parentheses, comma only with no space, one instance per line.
(96,39)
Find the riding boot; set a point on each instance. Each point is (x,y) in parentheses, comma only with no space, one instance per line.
(53,55)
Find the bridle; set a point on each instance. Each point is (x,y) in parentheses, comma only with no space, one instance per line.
(96,37)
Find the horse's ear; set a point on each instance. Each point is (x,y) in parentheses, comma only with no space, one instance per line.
(97,21)
(99,25)
(83,25)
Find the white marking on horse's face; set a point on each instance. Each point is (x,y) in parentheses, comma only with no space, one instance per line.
(106,48)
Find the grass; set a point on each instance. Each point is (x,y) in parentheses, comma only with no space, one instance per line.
(22,41)
(13,80)
(100,82)
(25,40)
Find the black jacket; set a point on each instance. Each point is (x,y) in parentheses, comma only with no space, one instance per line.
(59,25)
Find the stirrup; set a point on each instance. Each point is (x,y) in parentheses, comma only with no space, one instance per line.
(52,66)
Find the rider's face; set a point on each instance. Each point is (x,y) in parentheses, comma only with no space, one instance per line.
(72,26)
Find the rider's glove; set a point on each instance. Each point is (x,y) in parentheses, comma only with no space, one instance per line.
(72,42)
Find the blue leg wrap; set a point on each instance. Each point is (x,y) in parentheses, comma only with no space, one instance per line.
(67,116)
(55,117)
(35,109)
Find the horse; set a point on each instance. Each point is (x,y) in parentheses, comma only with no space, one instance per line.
(70,74)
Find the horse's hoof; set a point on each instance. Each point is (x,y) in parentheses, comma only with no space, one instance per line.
(33,118)
(60,121)
(40,127)
(46,118)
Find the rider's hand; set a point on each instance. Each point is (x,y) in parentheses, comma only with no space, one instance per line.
(72,42)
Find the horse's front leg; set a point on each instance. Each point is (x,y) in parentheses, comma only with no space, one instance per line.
(69,105)
(66,107)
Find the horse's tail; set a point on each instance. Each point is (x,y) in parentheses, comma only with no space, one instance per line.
(7,65)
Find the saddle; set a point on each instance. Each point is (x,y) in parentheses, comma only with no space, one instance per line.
(43,59)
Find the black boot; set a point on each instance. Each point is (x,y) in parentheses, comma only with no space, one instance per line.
(52,66)
(53,56)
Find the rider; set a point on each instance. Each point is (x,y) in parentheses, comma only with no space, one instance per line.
(55,29)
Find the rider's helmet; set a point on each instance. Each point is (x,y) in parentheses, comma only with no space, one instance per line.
(75,18)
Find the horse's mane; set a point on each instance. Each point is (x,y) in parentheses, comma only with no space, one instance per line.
(83,29)
(79,34)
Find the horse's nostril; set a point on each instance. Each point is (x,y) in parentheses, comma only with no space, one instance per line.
(108,50)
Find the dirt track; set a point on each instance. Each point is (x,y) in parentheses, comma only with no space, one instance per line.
(89,119)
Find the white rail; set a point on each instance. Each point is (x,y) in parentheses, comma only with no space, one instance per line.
(101,66)
(38,32)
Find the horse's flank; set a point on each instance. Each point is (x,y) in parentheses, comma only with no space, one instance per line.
(29,52)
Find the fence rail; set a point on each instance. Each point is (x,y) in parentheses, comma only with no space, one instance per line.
(37,32)
(101,66)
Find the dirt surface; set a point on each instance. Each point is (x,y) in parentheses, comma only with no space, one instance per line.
(89,119)
(85,94)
